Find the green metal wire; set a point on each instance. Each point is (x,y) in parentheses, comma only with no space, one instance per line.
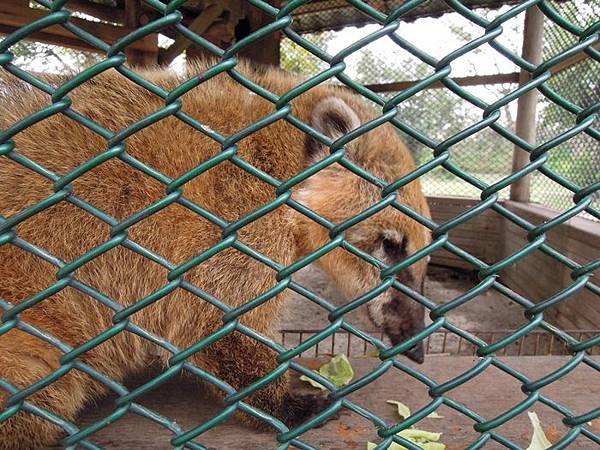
(58,13)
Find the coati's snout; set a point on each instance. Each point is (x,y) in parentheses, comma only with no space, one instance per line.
(389,235)
(402,319)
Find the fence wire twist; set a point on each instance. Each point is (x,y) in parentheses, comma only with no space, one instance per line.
(441,394)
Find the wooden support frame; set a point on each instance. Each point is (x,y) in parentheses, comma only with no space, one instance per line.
(267,50)
(461,81)
(575,59)
(533,40)
(134,19)
(15,14)
(198,26)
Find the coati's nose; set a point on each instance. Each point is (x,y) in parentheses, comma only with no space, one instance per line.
(416,353)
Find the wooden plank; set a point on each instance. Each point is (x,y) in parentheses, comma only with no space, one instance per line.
(443,257)
(476,80)
(584,307)
(13,16)
(467,236)
(539,276)
(578,239)
(534,210)
(434,200)
(575,318)
(570,314)
(559,317)
(452,211)
(490,394)
(538,288)
(451,261)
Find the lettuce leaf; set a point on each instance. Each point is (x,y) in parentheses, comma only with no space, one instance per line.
(404,411)
(539,441)
(338,370)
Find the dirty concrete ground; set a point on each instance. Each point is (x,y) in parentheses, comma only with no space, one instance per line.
(486,313)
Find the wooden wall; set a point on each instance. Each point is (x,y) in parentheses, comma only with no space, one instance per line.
(468,236)
(539,276)
(491,237)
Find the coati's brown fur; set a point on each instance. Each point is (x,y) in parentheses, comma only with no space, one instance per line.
(178,234)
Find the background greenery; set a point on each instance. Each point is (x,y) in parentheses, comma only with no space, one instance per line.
(438,112)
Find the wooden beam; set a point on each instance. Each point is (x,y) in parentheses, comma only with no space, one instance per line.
(102,12)
(533,41)
(14,16)
(200,24)
(48,38)
(133,19)
(462,81)
(575,59)
(266,50)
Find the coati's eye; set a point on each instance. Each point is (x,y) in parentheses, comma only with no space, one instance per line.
(393,249)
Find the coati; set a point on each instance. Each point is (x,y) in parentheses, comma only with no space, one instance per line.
(177,232)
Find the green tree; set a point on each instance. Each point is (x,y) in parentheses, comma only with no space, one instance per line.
(295,59)
(439,114)
(47,58)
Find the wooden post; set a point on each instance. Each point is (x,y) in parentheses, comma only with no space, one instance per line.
(134,19)
(199,26)
(265,51)
(527,104)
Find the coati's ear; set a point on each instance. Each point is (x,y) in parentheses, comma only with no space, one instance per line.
(333,117)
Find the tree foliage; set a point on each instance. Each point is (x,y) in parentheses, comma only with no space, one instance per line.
(296,59)
(47,58)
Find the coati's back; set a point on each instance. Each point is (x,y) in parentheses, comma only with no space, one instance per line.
(169,146)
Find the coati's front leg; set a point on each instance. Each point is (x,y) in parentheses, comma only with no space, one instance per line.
(241,361)
(23,361)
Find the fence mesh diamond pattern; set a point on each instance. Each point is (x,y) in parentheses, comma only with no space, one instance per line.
(582,124)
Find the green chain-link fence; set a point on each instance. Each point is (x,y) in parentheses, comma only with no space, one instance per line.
(578,160)
(484,155)
(582,119)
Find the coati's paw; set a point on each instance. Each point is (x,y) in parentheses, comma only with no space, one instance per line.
(298,408)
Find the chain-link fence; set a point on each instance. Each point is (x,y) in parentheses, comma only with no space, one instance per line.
(577,159)
(229,314)
(485,155)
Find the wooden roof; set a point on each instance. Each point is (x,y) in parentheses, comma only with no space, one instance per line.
(321,15)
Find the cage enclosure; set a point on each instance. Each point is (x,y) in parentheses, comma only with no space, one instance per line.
(497,103)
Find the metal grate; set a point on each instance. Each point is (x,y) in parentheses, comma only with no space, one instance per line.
(535,343)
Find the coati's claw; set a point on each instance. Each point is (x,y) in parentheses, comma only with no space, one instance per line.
(300,407)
